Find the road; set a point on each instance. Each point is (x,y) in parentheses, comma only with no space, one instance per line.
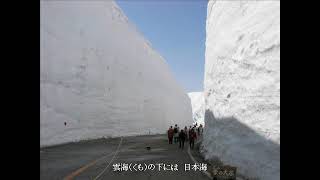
(94,160)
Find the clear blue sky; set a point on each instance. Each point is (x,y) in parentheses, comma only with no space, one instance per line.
(176,29)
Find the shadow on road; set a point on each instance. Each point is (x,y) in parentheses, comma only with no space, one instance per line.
(235,143)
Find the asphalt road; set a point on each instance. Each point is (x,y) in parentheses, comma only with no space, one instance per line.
(95,159)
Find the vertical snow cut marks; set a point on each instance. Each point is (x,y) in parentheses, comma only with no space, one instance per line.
(90,88)
(242,86)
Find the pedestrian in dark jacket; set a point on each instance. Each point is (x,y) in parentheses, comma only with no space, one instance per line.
(192,137)
(200,130)
(182,138)
(187,133)
(176,133)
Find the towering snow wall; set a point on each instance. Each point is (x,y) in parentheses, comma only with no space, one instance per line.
(101,78)
(242,86)
(197,104)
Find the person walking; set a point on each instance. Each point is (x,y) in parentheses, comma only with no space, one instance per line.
(170,135)
(200,130)
(182,138)
(176,133)
(192,138)
(187,133)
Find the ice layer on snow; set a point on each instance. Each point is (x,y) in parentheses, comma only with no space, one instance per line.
(197,104)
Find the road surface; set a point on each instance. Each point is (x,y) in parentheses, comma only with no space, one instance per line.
(94,160)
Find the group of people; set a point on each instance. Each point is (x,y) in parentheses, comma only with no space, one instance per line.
(176,135)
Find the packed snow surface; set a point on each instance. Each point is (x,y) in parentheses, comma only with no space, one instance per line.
(242,86)
(197,104)
(101,78)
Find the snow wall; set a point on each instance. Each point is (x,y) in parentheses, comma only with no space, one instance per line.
(197,104)
(242,86)
(101,78)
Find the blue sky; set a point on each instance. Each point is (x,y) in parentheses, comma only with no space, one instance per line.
(176,29)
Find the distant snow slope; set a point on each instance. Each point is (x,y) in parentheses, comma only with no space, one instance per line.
(242,86)
(197,104)
(100,77)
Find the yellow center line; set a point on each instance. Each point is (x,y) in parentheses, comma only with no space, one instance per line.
(115,154)
(83,168)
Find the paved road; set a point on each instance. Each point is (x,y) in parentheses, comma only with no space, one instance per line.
(94,159)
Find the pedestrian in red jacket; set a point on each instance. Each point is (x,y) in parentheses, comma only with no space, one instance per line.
(170,134)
